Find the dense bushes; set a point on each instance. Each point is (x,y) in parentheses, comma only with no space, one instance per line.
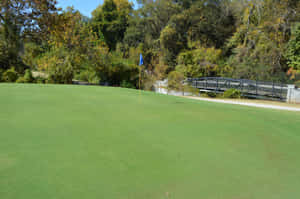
(293,50)
(232,93)
(126,84)
(175,81)
(10,75)
(88,76)
(27,78)
(199,62)
(59,64)
(1,75)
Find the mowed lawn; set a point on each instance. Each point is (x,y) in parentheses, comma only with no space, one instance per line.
(85,142)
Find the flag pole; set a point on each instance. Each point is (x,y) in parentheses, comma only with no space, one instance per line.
(141,63)
(140,78)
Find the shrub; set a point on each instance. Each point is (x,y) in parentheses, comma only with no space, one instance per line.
(1,74)
(59,64)
(88,76)
(126,84)
(21,80)
(82,76)
(10,75)
(190,89)
(28,76)
(211,94)
(175,81)
(232,93)
(93,78)
(61,74)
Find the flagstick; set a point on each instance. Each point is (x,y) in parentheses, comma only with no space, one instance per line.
(140,84)
(140,66)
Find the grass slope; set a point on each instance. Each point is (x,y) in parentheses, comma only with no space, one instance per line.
(64,141)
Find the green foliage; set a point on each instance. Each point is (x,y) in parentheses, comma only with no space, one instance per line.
(27,78)
(20,80)
(232,93)
(171,44)
(89,76)
(259,42)
(209,94)
(20,21)
(190,89)
(122,71)
(293,50)
(240,39)
(59,65)
(199,62)
(31,52)
(175,81)
(10,75)
(212,22)
(126,84)
(1,74)
(111,20)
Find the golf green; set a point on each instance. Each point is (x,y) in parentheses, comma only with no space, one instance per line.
(90,142)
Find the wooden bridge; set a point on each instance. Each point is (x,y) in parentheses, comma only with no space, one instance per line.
(248,88)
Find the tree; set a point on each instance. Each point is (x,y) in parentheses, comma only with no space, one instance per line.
(200,62)
(293,53)
(20,19)
(259,43)
(211,23)
(73,49)
(171,44)
(111,20)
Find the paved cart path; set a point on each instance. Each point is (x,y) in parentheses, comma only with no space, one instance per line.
(260,105)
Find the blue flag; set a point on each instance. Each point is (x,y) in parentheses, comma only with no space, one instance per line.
(141,60)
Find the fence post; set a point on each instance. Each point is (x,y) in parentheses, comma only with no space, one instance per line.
(273,89)
(289,97)
(242,86)
(281,91)
(256,87)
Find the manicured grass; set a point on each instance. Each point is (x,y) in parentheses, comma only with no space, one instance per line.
(80,142)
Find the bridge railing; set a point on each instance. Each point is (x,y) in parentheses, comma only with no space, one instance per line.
(249,88)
